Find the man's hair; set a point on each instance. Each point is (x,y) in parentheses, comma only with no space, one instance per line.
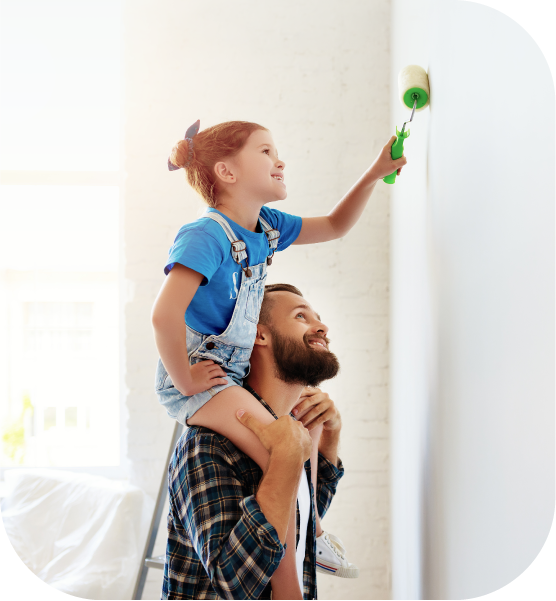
(268,302)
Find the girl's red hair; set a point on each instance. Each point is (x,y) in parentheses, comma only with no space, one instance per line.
(210,146)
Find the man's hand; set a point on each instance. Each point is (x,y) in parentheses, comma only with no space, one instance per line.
(316,407)
(285,435)
(384,164)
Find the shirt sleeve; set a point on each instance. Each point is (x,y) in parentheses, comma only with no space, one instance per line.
(288,225)
(198,249)
(238,547)
(328,476)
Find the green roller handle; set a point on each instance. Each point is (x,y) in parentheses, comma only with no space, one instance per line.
(396,152)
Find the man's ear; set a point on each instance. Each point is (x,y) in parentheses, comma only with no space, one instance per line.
(223,171)
(263,335)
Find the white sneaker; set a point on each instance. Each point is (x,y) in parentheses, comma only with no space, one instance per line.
(331,557)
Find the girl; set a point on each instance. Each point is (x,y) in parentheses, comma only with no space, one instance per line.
(216,275)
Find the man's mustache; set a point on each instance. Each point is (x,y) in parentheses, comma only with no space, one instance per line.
(307,337)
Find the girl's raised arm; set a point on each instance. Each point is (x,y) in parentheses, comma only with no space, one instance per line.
(348,210)
(168,319)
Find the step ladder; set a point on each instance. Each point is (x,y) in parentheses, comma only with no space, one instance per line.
(147,560)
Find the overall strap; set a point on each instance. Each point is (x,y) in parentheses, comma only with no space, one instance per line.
(238,247)
(272,236)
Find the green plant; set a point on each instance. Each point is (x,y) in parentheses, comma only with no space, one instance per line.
(13,436)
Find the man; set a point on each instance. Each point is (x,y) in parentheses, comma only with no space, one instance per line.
(227,520)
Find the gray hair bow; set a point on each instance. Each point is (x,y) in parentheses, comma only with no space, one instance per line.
(189,134)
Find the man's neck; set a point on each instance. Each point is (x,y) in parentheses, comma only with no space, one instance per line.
(280,396)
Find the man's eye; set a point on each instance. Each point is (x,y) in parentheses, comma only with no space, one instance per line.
(302,314)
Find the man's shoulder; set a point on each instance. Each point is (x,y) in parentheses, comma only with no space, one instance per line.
(201,439)
(201,445)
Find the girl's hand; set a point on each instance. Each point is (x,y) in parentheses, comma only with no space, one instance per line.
(204,375)
(316,407)
(384,164)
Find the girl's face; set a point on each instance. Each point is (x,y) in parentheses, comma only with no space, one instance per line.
(258,170)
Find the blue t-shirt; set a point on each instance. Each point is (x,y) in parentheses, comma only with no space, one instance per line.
(204,247)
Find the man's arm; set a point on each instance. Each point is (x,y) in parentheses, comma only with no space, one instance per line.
(328,476)
(328,445)
(289,446)
(314,408)
(238,547)
(239,540)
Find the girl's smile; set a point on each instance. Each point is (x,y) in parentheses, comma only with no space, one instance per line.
(278,176)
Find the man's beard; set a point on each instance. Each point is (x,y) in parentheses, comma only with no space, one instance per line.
(298,363)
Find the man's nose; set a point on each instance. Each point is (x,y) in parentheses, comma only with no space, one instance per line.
(321,328)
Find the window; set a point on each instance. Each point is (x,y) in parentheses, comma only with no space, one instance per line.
(62,327)
(60,184)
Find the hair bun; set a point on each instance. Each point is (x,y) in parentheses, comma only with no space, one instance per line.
(180,153)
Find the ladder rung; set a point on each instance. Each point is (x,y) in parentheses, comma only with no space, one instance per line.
(155,562)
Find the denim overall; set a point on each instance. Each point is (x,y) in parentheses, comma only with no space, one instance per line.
(231,349)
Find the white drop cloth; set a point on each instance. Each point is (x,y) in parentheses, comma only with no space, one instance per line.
(82,534)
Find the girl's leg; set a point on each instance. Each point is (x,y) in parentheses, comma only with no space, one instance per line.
(315,435)
(219,414)
(284,581)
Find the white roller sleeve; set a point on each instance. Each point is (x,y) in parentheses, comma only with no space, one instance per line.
(413,76)
(81,534)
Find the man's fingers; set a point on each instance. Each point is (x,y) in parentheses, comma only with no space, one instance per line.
(250,422)
(308,402)
(314,423)
(301,408)
(314,413)
(307,392)
(301,412)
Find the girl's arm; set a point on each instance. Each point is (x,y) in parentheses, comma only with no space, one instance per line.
(168,319)
(347,212)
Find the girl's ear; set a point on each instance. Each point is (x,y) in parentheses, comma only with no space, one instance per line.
(224,173)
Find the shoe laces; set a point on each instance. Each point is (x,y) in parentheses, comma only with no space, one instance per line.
(333,546)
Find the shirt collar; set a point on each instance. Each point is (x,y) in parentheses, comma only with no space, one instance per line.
(261,401)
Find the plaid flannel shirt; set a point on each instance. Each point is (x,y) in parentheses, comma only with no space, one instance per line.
(220,544)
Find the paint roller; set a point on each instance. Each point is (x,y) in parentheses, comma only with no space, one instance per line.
(413,85)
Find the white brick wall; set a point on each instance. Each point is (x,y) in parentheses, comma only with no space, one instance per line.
(317,75)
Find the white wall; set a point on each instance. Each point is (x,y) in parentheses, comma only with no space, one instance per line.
(482,356)
(410,323)
(317,75)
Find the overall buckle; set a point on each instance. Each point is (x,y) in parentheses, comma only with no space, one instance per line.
(272,237)
(239,254)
